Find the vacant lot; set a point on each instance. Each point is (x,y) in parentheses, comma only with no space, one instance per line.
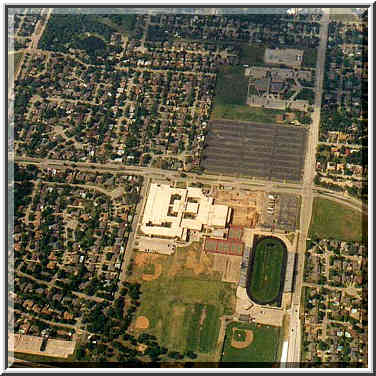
(232,86)
(231,94)
(262,349)
(331,220)
(267,270)
(269,151)
(309,57)
(15,59)
(184,304)
(244,113)
(252,54)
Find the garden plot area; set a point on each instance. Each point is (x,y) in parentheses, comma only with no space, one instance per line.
(267,151)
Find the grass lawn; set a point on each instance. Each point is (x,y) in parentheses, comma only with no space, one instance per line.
(331,220)
(252,54)
(183,307)
(14,58)
(306,94)
(343,17)
(244,113)
(17,60)
(123,23)
(264,347)
(231,97)
(266,270)
(232,86)
(44,359)
(309,57)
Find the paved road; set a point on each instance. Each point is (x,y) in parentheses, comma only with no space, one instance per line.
(352,146)
(34,42)
(128,251)
(293,356)
(155,173)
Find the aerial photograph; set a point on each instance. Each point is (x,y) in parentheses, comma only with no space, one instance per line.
(186,187)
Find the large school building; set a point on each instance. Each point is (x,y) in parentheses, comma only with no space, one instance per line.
(171,212)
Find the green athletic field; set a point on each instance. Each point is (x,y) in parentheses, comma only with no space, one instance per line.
(266,273)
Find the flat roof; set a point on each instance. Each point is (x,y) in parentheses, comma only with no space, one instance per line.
(163,201)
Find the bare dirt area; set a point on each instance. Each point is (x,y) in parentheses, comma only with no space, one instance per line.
(228,266)
(142,258)
(267,316)
(242,344)
(191,258)
(117,192)
(232,272)
(219,263)
(142,347)
(246,206)
(142,322)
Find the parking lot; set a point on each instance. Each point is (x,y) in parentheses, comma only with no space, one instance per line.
(269,151)
(280,211)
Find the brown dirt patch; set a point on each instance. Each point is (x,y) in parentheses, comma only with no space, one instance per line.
(194,264)
(140,258)
(242,344)
(156,275)
(142,347)
(142,322)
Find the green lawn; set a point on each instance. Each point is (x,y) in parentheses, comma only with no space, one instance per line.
(231,98)
(266,270)
(252,54)
(244,113)
(123,23)
(184,309)
(309,57)
(264,347)
(209,329)
(306,94)
(15,59)
(331,220)
(231,87)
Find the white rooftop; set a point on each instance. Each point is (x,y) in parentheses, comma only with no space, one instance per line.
(163,201)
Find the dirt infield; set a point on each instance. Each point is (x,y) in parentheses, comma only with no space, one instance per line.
(156,275)
(142,322)
(242,344)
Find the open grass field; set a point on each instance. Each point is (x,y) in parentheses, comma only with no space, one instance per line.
(262,349)
(252,54)
(244,113)
(44,359)
(266,270)
(232,86)
(183,306)
(15,59)
(123,23)
(231,95)
(309,57)
(331,220)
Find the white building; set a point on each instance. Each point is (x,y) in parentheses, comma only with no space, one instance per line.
(170,212)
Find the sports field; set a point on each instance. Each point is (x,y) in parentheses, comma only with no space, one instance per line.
(261,345)
(185,300)
(266,273)
(331,220)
